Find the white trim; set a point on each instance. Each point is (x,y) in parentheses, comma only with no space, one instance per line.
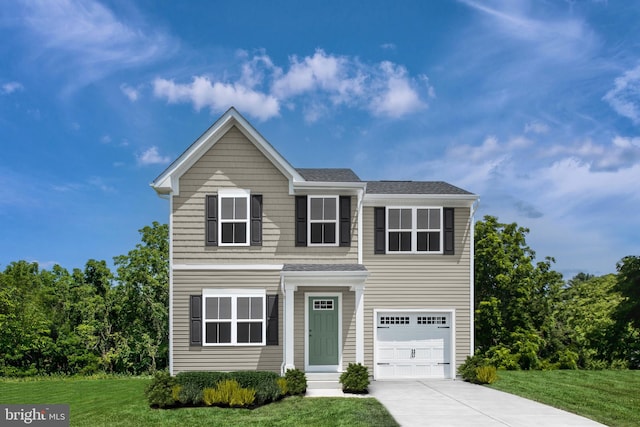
(359,303)
(359,225)
(449,200)
(322,368)
(200,267)
(171,284)
(168,181)
(289,323)
(472,276)
(234,294)
(324,278)
(452,347)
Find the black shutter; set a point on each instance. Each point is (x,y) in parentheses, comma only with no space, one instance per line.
(256,220)
(301,220)
(449,241)
(380,231)
(211,221)
(272,319)
(345,220)
(195,324)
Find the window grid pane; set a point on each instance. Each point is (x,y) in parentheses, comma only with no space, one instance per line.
(322,220)
(246,321)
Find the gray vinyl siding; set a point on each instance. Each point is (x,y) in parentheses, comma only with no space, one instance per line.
(221,358)
(234,162)
(419,282)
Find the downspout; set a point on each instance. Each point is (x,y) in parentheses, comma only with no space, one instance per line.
(284,326)
(170,197)
(472,214)
(360,202)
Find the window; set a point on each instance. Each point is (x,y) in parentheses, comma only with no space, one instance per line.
(323,220)
(414,230)
(233,317)
(394,320)
(234,217)
(323,304)
(432,320)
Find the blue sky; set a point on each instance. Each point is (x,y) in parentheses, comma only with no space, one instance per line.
(533,105)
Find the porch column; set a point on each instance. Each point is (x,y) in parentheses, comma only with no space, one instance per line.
(359,290)
(289,322)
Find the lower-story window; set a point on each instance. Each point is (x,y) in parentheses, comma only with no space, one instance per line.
(233,317)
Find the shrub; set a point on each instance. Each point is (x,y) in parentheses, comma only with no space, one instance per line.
(471,369)
(175,392)
(355,379)
(194,383)
(568,359)
(502,358)
(296,381)
(159,392)
(282,383)
(229,393)
(486,374)
(263,382)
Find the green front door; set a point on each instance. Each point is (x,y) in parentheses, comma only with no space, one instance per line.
(323,331)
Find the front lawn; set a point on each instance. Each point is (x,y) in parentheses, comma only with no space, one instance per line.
(609,397)
(121,402)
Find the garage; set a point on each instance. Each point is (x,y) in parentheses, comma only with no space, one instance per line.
(413,344)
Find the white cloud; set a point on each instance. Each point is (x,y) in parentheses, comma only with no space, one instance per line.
(388,46)
(536,127)
(624,97)
(129,92)
(318,83)
(105,139)
(11,87)
(201,92)
(621,153)
(151,156)
(398,97)
(86,37)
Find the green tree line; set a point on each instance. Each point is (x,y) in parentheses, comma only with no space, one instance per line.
(526,316)
(88,321)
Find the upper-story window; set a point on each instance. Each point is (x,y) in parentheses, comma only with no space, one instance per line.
(414,230)
(234,217)
(323,220)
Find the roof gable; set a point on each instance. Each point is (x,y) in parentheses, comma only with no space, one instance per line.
(168,181)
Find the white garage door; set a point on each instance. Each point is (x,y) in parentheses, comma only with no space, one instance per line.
(413,345)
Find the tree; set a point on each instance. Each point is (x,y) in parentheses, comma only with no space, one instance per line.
(143,298)
(629,287)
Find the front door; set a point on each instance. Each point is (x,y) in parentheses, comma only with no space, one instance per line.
(323,331)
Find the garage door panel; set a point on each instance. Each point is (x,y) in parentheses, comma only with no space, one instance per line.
(413,345)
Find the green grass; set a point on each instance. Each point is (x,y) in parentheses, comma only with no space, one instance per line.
(121,402)
(609,397)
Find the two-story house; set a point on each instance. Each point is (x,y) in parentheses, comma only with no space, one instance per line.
(274,267)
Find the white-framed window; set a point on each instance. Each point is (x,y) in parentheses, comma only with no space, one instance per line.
(414,230)
(233,223)
(233,317)
(323,220)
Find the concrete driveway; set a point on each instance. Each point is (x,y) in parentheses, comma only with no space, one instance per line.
(458,403)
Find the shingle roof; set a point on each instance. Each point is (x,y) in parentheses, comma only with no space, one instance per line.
(328,175)
(413,187)
(324,267)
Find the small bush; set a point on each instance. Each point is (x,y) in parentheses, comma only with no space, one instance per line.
(159,392)
(175,392)
(282,383)
(263,382)
(229,393)
(474,366)
(568,359)
(296,381)
(486,374)
(355,379)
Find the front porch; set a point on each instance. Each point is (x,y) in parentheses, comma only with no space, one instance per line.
(323,316)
